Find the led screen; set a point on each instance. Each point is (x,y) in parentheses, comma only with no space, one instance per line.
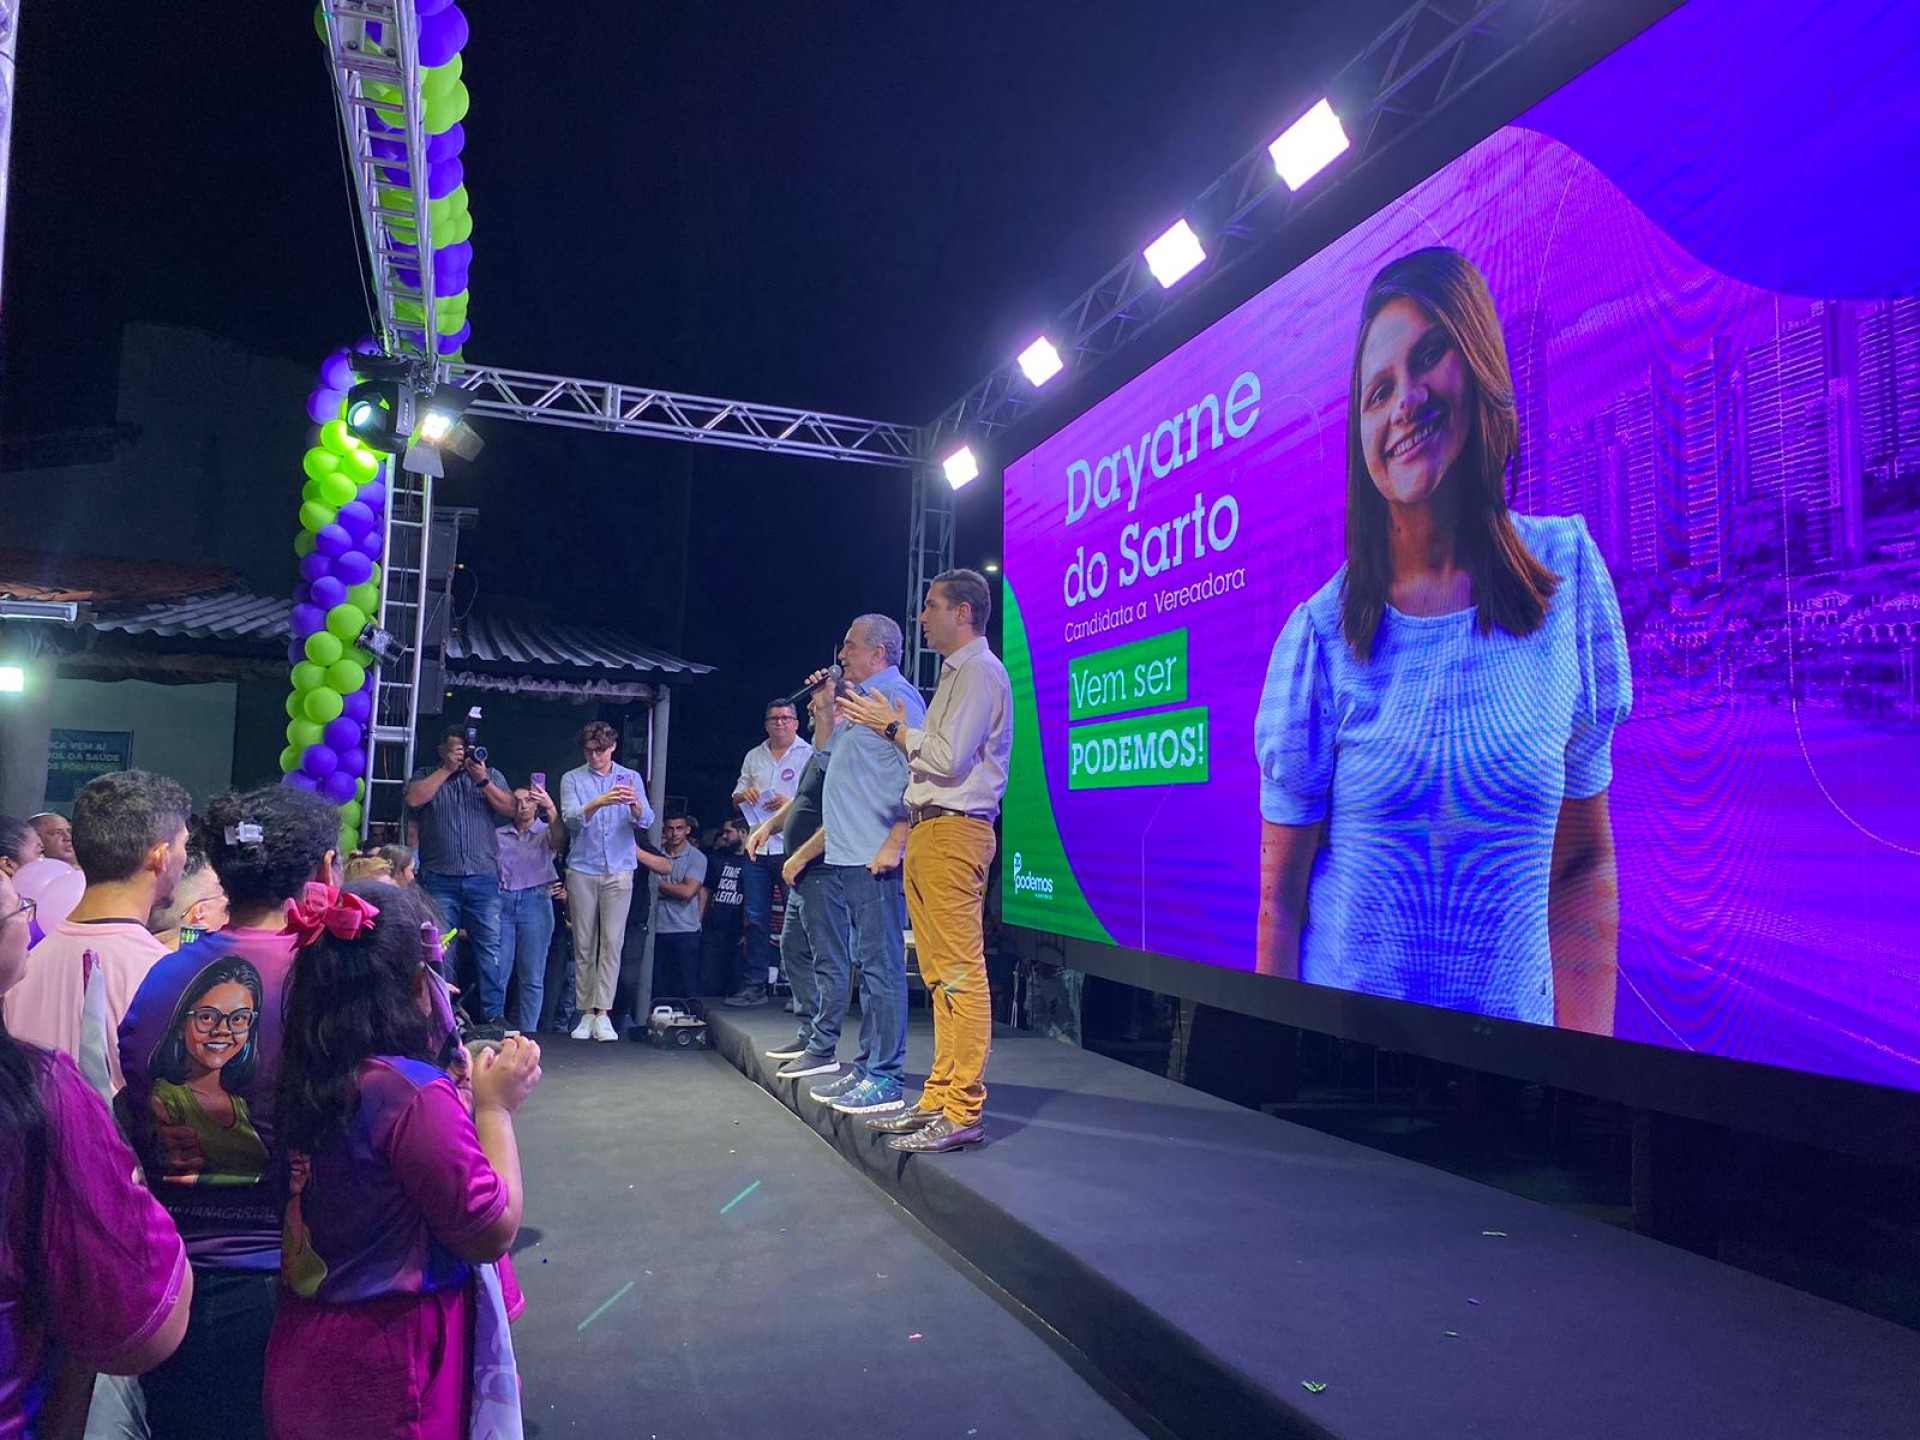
(1516,607)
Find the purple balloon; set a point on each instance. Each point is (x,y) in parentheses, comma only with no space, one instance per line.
(372,544)
(328,593)
(306,620)
(388,149)
(424,8)
(300,780)
(450,264)
(353,568)
(451,343)
(296,650)
(323,404)
(353,762)
(443,35)
(302,592)
(355,518)
(447,144)
(396,175)
(445,178)
(319,761)
(315,567)
(358,705)
(407,277)
(333,541)
(373,495)
(338,787)
(342,734)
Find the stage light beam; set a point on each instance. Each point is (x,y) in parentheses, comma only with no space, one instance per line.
(1174,254)
(1041,361)
(1309,145)
(961,467)
(13,680)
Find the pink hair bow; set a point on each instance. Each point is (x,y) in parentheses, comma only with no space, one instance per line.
(323,910)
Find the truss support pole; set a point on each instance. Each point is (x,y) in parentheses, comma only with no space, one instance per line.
(930,552)
(9,46)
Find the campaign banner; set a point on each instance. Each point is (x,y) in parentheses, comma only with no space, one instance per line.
(1516,606)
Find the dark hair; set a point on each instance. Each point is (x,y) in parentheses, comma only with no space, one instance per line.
(348,1001)
(597,732)
(13,837)
(1510,587)
(170,1055)
(120,818)
(781,702)
(970,588)
(398,856)
(454,732)
(297,830)
(673,815)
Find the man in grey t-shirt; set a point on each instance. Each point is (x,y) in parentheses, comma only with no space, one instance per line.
(676,919)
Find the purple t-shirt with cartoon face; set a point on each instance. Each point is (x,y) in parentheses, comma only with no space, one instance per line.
(200,1046)
(379,1211)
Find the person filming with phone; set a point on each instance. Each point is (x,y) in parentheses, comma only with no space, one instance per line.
(605,807)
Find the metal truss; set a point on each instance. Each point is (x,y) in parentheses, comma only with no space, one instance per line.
(929,554)
(375,42)
(615,409)
(1427,59)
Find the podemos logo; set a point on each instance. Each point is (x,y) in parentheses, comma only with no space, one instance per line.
(1026,882)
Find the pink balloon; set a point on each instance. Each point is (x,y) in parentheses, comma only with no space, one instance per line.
(34,877)
(57,900)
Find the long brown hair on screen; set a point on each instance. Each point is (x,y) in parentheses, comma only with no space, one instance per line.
(1510,587)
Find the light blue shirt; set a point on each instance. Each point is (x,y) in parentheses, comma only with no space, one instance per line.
(603,845)
(1440,767)
(868,778)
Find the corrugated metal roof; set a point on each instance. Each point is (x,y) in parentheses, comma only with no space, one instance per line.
(489,642)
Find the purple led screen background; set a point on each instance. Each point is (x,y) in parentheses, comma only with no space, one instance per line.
(1705,258)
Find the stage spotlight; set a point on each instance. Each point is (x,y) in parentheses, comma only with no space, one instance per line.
(1309,145)
(1041,361)
(381,644)
(13,680)
(960,467)
(442,430)
(992,567)
(380,413)
(1174,254)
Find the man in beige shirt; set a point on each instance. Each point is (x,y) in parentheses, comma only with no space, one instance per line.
(956,775)
(130,839)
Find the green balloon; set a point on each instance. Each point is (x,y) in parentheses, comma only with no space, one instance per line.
(310,493)
(319,462)
(337,438)
(315,514)
(305,543)
(360,790)
(337,489)
(302,733)
(306,675)
(461,230)
(366,596)
(347,621)
(290,759)
(362,465)
(324,705)
(323,649)
(435,83)
(345,676)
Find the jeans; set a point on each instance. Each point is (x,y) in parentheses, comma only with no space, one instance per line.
(472,903)
(224,1355)
(676,966)
(598,905)
(758,887)
(526,927)
(796,954)
(830,944)
(877,908)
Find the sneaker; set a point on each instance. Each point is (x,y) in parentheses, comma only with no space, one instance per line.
(792,1050)
(833,1089)
(488,1030)
(603,1029)
(871,1096)
(747,995)
(584,1030)
(805,1064)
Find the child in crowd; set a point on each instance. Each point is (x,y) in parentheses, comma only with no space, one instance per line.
(400,1191)
(370,865)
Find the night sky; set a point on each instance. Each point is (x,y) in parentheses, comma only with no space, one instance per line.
(860,207)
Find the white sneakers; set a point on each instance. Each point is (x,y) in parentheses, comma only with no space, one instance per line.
(584,1030)
(603,1029)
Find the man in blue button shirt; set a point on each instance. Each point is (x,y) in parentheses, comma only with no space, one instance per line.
(866,830)
(605,806)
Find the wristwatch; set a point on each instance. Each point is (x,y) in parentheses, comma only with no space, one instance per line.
(893,728)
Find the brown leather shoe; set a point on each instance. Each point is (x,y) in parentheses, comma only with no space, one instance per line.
(940,1136)
(903,1122)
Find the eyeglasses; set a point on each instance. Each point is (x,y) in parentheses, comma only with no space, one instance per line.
(27,908)
(209,1020)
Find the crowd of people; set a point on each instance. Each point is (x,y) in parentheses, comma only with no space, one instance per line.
(247,1144)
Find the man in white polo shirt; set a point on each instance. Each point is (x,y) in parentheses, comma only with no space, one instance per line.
(768,777)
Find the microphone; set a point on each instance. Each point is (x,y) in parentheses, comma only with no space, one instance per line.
(798,700)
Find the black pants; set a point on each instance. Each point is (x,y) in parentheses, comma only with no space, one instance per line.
(676,966)
(212,1386)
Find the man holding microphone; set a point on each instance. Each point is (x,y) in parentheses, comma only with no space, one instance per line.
(957,774)
(605,806)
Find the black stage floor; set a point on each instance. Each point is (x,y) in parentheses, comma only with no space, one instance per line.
(813,1308)
(1217,1264)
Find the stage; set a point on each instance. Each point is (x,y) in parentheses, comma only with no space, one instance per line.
(1219,1267)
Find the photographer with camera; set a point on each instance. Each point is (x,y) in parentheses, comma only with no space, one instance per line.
(458,804)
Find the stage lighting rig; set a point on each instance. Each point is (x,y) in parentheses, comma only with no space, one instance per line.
(1309,145)
(960,467)
(442,430)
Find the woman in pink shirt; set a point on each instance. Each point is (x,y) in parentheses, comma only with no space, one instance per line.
(93,1277)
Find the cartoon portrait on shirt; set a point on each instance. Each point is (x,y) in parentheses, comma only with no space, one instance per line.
(203,1070)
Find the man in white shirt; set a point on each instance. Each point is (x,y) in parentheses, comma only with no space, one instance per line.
(130,838)
(768,777)
(956,776)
